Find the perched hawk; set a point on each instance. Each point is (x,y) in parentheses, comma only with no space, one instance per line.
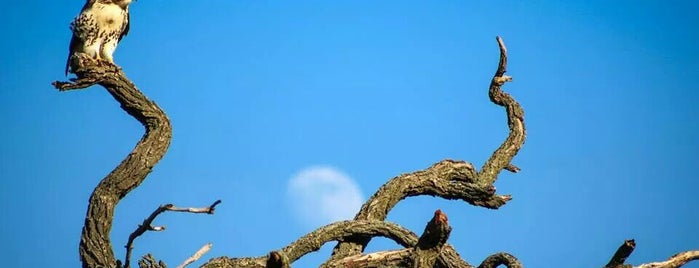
(98,29)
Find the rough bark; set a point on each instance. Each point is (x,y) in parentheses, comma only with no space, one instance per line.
(95,245)
(430,244)
(451,179)
(501,258)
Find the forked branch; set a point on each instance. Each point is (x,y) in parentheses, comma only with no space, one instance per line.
(147,224)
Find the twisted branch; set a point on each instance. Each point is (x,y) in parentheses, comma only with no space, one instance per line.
(95,245)
(450,179)
(515,121)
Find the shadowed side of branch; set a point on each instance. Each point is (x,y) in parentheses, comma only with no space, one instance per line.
(623,252)
(432,240)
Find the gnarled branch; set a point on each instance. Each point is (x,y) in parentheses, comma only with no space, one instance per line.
(515,121)
(95,245)
(451,179)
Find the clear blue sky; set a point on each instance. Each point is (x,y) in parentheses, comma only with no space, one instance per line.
(259,90)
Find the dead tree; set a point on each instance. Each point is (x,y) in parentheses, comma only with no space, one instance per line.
(448,179)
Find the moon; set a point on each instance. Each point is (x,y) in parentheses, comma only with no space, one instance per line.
(321,195)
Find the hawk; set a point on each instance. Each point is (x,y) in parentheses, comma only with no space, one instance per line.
(98,29)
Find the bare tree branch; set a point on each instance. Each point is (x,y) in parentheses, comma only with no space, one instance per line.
(423,254)
(450,179)
(515,121)
(677,260)
(203,250)
(95,245)
(147,224)
(313,241)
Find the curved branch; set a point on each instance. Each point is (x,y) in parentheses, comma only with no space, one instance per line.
(515,121)
(315,240)
(451,179)
(447,179)
(95,245)
(500,258)
(340,230)
(425,253)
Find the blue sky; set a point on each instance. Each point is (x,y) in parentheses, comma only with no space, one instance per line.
(259,91)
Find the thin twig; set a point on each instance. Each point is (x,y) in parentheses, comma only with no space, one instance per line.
(203,250)
(147,224)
